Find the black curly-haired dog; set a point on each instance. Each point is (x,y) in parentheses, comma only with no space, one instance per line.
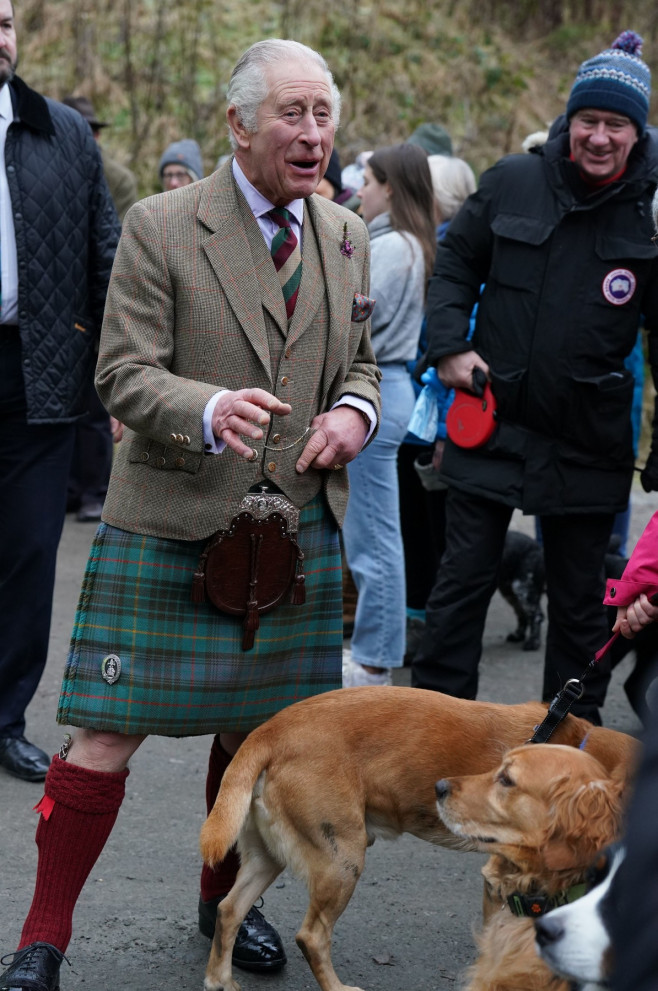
(521,582)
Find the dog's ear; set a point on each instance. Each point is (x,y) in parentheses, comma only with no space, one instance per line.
(582,823)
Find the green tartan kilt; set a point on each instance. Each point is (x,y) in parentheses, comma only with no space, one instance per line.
(182,668)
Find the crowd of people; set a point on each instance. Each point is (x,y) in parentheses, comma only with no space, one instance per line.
(261,354)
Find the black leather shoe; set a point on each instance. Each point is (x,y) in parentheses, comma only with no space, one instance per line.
(34,968)
(257,946)
(23,759)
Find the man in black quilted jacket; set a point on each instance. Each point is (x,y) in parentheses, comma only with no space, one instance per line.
(58,235)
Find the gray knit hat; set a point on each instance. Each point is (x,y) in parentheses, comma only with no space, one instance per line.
(616,80)
(433,138)
(186,153)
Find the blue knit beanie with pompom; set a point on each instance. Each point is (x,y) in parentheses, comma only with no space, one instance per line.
(616,80)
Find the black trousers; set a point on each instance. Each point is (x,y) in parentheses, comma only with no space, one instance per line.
(92,456)
(448,656)
(34,470)
(422,522)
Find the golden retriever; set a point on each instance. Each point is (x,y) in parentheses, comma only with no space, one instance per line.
(312,787)
(543,815)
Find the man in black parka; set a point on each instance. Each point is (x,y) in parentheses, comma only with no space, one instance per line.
(58,235)
(561,241)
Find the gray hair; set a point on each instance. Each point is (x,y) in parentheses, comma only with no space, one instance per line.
(247,88)
(452,182)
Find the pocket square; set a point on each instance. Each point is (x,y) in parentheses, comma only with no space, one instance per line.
(362,307)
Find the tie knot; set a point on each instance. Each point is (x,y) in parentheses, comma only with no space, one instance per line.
(280,216)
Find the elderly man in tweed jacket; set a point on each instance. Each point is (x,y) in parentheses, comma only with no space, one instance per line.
(228,374)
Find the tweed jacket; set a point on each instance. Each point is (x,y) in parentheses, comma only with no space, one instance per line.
(194,305)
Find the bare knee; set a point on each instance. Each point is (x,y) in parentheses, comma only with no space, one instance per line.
(102,751)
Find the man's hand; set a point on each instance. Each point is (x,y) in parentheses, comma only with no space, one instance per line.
(337,439)
(632,619)
(116,427)
(456,370)
(245,412)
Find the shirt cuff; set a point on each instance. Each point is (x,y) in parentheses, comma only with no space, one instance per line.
(212,444)
(364,406)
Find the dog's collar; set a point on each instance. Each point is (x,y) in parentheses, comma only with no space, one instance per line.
(532,906)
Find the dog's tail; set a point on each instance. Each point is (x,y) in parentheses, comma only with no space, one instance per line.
(226,819)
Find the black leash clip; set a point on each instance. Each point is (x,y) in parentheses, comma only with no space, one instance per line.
(571,691)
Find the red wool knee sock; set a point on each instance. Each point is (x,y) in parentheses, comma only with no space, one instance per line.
(78,811)
(218,882)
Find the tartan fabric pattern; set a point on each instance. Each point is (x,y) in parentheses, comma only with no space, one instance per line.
(183,672)
(287,258)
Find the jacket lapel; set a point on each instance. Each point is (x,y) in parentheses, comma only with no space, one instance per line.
(330,270)
(229,251)
(312,286)
(264,271)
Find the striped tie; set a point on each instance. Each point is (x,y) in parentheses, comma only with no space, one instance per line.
(287,258)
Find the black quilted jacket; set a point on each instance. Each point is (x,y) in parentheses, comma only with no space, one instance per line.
(66,235)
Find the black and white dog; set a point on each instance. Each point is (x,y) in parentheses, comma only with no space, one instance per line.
(574,940)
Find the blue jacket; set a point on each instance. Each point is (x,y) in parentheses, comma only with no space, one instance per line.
(66,235)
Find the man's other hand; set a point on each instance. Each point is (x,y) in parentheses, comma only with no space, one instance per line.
(456,370)
(245,413)
(337,438)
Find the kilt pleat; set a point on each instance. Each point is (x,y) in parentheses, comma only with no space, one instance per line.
(182,669)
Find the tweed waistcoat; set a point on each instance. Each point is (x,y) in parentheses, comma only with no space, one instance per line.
(195,305)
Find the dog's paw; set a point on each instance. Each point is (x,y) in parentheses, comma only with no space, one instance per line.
(210,984)
(516,637)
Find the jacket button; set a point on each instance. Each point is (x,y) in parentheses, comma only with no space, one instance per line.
(271,466)
(287,353)
(276,438)
(162,462)
(179,438)
(144,456)
(186,439)
(284,380)
(613,592)
(173,437)
(180,462)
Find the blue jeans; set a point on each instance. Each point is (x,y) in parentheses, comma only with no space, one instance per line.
(371,532)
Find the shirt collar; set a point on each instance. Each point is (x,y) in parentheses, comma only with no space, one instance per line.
(6,108)
(259,204)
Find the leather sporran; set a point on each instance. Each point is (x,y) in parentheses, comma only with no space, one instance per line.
(255,564)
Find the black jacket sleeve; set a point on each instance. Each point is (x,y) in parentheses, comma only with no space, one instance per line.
(462,263)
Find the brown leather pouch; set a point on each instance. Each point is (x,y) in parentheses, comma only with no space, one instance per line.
(255,564)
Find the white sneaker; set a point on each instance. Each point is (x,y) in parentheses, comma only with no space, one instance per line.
(355,674)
